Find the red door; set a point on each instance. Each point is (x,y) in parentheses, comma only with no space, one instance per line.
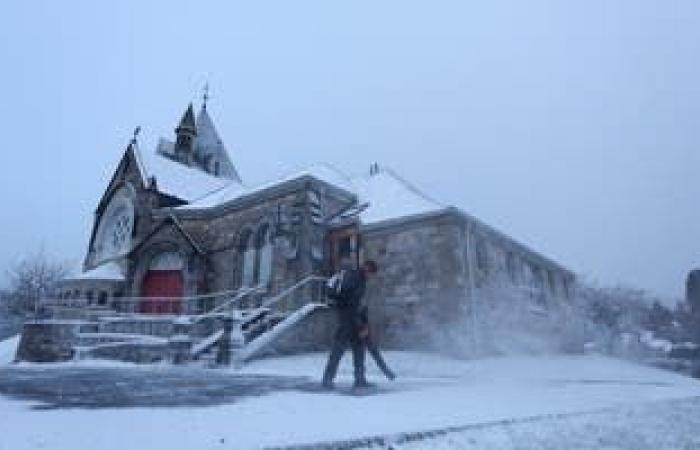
(162,292)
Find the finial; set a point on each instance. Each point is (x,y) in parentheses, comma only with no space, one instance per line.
(137,130)
(205,95)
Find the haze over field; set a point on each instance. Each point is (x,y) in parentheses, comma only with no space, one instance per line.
(571,126)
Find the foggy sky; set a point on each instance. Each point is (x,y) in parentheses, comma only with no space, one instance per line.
(571,126)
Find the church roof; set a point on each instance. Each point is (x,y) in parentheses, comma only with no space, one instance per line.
(208,142)
(388,195)
(234,191)
(176,179)
(187,121)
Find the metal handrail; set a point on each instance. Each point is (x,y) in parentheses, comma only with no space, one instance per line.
(180,298)
(266,303)
(245,292)
(271,301)
(240,294)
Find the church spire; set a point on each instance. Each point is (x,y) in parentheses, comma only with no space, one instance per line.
(185,134)
(210,152)
(205,96)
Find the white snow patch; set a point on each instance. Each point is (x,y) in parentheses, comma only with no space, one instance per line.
(432,392)
(268,337)
(391,197)
(8,348)
(178,180)
(107,271)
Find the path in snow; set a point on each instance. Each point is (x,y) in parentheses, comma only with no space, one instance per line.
(432,393)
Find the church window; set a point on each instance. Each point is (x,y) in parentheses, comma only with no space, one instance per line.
(511,267)
(552,282)
(482,257)
(264,255)
(115,227)
(216,168)
(247,255)
(538,281)
(167,261)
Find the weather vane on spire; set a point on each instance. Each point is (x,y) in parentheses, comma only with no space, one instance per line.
(205,95)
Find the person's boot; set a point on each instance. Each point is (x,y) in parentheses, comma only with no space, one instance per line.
(362,383)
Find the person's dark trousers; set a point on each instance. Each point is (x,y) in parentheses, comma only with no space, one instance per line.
(376,354)
(344,338)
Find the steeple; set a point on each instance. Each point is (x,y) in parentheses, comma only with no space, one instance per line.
(185,134)
(210,152)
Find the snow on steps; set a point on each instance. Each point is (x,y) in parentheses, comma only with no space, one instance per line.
(8,349)
(254,347)
(205,343)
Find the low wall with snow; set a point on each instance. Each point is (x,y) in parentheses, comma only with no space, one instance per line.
(47,341)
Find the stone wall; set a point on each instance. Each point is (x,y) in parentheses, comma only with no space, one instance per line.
(47,341)
(420,286)
(444,278)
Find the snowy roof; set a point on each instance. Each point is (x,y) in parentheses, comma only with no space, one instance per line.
(107,271)
(389,196)
(175,179)
(235,191)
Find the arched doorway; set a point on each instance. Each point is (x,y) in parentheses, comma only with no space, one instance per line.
(162,286)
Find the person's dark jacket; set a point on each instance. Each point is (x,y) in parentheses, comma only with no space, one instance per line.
(348,301)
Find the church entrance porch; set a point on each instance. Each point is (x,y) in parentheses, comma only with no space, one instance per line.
(163,285)
(162,292)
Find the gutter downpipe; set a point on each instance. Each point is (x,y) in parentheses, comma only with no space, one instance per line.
(472,291)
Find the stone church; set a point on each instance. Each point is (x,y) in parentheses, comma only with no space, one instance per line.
(178,233)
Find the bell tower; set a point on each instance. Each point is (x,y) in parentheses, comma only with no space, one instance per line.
(185,134)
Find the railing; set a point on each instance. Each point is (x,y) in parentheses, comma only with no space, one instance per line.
(285,293)
(198,307)
(187,305)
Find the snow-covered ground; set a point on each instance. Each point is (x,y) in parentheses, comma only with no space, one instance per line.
(493,403)
(7,349)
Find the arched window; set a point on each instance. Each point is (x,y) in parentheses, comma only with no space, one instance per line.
(512,267)
(552,283)
(482,257)
(263,246)
(116,226)
(246,251)
(167,261)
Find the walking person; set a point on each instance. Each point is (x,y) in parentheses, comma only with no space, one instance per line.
(346,288)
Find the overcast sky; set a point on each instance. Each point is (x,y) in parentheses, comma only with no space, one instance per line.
(573,126)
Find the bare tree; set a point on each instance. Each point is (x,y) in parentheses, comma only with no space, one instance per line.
(32,279)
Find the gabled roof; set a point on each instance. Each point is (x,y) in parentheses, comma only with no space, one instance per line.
(175,179)
(234,192)
(389,196)
(169,220)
